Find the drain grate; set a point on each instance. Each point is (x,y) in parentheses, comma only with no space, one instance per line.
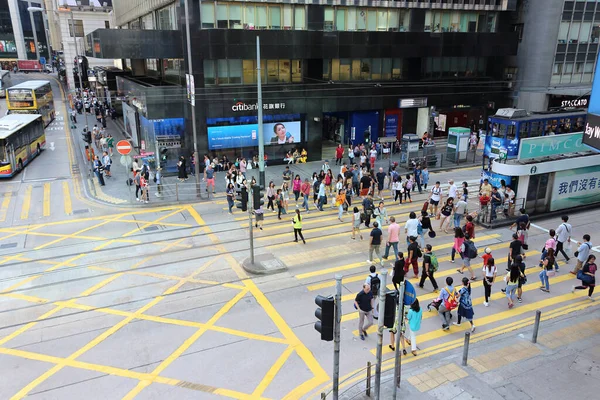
(150,228)
(8,245)
(81,211)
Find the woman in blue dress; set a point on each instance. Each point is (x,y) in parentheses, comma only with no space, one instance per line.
(465,305)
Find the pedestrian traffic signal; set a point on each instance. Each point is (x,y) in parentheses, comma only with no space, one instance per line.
(241,198)
(258,196)
(389,313)
(326,316)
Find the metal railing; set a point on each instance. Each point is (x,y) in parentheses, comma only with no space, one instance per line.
(173,190)
(491,215)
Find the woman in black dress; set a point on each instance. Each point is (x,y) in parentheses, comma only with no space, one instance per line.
(182,169)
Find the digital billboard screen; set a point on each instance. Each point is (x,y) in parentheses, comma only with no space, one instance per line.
(236,136)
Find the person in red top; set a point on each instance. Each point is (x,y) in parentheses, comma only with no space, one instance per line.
(470,227)
(339,154)
(305,190)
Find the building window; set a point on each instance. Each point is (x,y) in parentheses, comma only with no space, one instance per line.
(244,71)
(222,16)
(326,70)
(275,17)
(167,18)
(78,27)
(208,15)
(261,12)
(296,71)
(106,24)
(287,17)
(328,20)
(299,18)
(397,69)
(209,72)
(365,69)
(594,38)
(453,67)
(147,21)
(458,21)
(563,31)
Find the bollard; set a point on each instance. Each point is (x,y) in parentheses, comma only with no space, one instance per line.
(368,379)
(466,348)
(177,191)
(536,326)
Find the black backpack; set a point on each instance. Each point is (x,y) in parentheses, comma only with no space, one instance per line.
(375,284)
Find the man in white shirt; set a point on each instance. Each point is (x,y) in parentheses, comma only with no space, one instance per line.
(563,234)
(435,198)
(411,228)
(452,190)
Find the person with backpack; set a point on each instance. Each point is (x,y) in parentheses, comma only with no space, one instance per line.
(375,283)
(363,303)
(587,276)
(550,244)
(512,283)
(448,297)
(515,249)
(368,208)
(408,185)
(582,252)
(430,267)
(279,201)
(468,252)
(375,243)
(489,275)
(465,304)
(548,270)
(424,227)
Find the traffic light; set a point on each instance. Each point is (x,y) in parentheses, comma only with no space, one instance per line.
(163,156)
(258,196)
(389,314)
(326,316)
(241,198)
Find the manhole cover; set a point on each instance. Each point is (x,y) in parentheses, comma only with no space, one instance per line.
(8,245)
(151,228)
(81,211)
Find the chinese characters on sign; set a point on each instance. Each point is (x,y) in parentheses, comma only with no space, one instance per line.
(576,187)
(241,106)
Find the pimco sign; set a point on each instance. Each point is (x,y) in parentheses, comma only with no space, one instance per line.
(551,145)
(241,106)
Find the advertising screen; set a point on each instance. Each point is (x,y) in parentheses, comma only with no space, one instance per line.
(594,107)
(235,136)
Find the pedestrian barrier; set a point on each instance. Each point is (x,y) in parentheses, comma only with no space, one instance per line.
(492,216)
(174,191)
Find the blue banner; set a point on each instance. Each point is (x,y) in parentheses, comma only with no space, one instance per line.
(234,136)
(495,178)
(391,125)
(594,107)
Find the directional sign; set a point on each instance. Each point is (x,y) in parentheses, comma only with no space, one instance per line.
(123,147)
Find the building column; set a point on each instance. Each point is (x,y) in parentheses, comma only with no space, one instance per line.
(13,7)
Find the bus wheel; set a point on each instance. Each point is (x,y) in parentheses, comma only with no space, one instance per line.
(37,152)
(20,165)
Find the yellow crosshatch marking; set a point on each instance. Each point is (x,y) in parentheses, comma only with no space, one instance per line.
(244,287)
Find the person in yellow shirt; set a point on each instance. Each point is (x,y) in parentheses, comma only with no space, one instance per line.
(297,221)
(486,188)
(303,155)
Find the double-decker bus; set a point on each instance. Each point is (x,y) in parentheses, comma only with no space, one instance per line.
(4,82)
(21,140)
(32,97)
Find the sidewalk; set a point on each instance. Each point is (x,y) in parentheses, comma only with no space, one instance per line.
(565,363)
(117,192)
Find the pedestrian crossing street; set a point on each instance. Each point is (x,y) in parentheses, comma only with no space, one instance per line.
(330,251)
(32,202)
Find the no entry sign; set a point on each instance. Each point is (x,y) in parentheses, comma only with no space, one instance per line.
(123,147)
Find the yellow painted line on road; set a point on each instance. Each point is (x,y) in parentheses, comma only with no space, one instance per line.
(67,198)
(186,345)
(31,299)
(358,375)
(155,222)
(26,202)
(327,271)
(5,204)
(272,372)
(46,201)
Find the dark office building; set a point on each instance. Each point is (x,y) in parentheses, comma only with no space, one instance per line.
(330,73)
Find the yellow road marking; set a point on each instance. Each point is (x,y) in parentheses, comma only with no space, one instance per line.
(272,372)
(67,198)
(5,204)
(155,222)
(327,284)
(358,375)
(46,200)
(31,299)
(186,345)
(26,202)
(328,271)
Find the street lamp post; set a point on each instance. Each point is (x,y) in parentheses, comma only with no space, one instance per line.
(33,27)
(193,101)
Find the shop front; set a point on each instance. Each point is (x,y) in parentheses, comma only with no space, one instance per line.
(459,115)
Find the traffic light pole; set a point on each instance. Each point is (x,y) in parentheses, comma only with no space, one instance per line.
(397,353)
(336,336)
(251,227)
(261,137)
(382,291)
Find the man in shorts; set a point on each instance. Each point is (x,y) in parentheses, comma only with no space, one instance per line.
(435,198)
(209,177)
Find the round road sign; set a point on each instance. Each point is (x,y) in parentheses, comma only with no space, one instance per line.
(126,161)
(123,147)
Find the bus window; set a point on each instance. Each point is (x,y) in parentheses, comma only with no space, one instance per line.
(523,130)
(536,129)
(495,132)
(511,132)
(502,128)
(565,125)
(3,153)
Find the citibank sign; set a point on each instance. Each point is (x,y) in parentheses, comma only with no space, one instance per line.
(241,106)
